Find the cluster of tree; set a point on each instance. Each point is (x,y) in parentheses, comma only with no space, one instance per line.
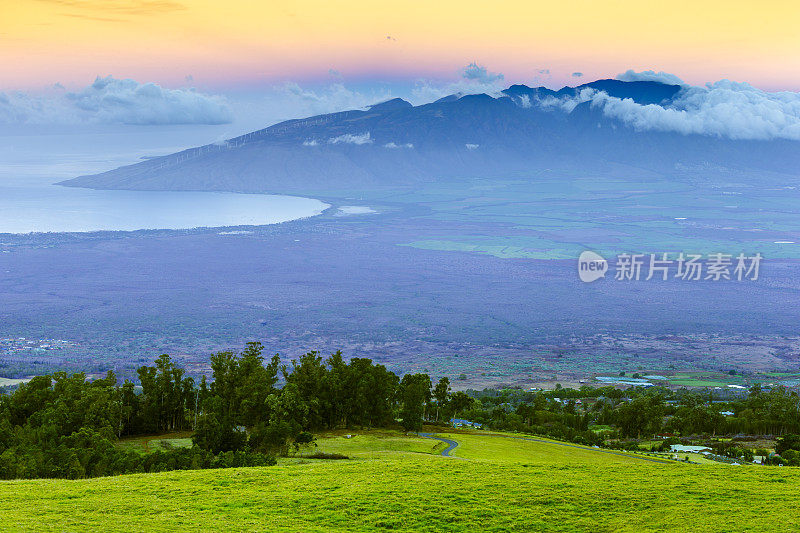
(773,412)
(787,451)
(567,414)
(67,426)
(635,413)
(245,408)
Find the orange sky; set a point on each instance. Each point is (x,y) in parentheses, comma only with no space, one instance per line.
(236,42)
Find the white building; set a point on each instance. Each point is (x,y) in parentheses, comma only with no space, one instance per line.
(680,448)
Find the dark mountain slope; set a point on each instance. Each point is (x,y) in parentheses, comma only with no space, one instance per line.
(394,144)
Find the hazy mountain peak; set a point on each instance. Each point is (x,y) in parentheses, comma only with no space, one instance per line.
(641,92)
(395,104)
(449,98)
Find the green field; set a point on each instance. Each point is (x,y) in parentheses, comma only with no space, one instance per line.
(705,379)
(550,217)
(516,449)
(495,483)
(697,383)
(375,444)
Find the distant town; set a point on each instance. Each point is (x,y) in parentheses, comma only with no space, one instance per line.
(14,345)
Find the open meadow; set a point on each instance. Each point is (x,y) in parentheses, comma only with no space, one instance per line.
(492,482)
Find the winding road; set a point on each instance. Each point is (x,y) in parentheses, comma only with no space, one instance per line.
(451,444)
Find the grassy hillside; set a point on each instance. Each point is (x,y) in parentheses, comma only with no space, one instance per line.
(496,483)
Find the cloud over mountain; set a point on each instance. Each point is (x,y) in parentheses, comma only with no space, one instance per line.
(334,97)
(727,109)
(473,79)
(393,145)
(724,109)
(650,75)
(349,138)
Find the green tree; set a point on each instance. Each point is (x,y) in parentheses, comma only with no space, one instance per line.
(441,392)
(304,439)
(460,402)
(415,390)
(641,416)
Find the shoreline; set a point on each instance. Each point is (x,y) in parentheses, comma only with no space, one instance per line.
(37,206)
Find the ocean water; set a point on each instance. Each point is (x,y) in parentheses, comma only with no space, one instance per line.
(51,208)
(34,159)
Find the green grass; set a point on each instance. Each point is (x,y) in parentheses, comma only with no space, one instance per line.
(374,443)
(499,484)
(424,493)
(704,379)
(512,448)
(697,383)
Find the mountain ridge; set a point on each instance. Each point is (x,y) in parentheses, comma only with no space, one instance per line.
(521,132)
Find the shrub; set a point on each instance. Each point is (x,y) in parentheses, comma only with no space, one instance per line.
(323,455)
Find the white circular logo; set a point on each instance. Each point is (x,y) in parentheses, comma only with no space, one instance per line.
(591,266)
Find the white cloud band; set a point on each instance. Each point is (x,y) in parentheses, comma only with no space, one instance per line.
(112,101)
(726,109)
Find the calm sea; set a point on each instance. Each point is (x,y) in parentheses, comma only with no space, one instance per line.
(33,159)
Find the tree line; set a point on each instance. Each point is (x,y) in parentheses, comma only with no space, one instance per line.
(250,411)
(253,409)
(612,417)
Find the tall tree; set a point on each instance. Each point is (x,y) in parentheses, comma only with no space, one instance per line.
(415,390)
(441,392)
